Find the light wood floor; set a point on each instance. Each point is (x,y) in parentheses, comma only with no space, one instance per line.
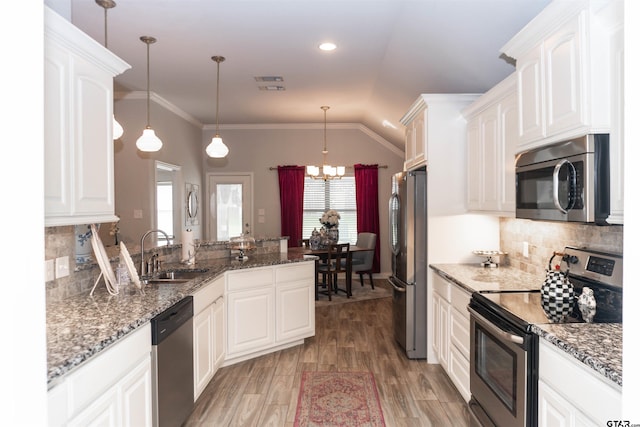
(349,337)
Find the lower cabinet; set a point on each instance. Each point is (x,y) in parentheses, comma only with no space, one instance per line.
(209,333)
(268,309)
(114,388)
(451,329)
(572,395)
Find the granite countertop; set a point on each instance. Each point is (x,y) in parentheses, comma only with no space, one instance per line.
(475,278)
(599,346)
(82,326)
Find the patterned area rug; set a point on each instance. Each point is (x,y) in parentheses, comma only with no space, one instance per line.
(382,289)
(338,399)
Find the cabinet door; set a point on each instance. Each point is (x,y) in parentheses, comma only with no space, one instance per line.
(203,347)
(443,354)
(219,332)
(616,136)
(563,79)
(420,131)
(491,180)
(295,307)
(250,321)
(530,102)
(553,410)
(92,140)
(136,396)
(103,412)
(459,372)
(508,143)
(474,166)
(409,146)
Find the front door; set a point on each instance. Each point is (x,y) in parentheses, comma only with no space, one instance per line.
(230,205)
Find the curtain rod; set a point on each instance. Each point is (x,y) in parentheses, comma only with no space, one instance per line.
(275,168)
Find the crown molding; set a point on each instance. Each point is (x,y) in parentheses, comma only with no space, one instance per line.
(161,102)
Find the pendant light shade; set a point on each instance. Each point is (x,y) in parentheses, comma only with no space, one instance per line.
(216,148)
(106,5)
(117,128)
(148,142)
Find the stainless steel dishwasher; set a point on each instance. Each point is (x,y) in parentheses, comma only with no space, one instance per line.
(172,364)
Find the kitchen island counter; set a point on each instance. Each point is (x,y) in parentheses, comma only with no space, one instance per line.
(82,326)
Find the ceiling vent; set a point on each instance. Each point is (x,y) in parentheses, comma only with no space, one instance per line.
(269,79)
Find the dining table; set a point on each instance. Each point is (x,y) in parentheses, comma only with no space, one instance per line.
(322,254)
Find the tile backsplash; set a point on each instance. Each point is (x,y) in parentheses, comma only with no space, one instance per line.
(545,237)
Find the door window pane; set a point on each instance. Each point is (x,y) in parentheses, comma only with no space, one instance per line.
(229,210)
(164,202)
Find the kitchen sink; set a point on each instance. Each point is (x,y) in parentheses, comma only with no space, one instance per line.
(179,276)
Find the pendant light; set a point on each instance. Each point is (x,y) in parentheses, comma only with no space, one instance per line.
(328,172)
(216,147)
(106,5)
(148,142)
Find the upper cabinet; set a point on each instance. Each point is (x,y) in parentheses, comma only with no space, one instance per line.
(492,133)
(563,74)
(79,181)
(415,140)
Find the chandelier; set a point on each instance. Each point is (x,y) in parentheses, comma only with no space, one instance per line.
(326,171)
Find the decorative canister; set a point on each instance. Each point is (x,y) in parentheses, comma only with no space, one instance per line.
(587,304)
(333,234)
(556,294)
(314,240)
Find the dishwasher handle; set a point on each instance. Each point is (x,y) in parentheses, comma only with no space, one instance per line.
(171,319)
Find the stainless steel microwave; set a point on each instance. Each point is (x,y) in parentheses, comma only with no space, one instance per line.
(567,181)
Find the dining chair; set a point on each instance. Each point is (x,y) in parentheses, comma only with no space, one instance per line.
(362,262)
(337,256)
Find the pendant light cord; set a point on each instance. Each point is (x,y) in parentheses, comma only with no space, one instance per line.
(106,44)
(217,96)
(148,96)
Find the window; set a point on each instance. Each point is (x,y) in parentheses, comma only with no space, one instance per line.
(339,194)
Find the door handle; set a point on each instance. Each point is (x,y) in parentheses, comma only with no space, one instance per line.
(396,287)
(516,339)
(556,186)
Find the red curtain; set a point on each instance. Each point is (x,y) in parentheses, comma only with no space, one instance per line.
(291,179)
(367,205)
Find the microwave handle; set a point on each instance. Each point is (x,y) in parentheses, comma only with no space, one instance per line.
(556,186)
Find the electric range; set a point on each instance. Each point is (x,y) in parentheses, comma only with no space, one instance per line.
(504,351)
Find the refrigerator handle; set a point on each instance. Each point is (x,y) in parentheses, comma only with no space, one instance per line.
(394,205)
(396,287)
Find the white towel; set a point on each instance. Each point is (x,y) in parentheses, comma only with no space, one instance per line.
(187,244)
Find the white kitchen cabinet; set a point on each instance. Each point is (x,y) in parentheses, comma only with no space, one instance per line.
(113,388)
(616,136)
(563,83)
(415,148)
(492,124)
(268,309)
(209,333)
(571,394)
(451,329)
(79,153)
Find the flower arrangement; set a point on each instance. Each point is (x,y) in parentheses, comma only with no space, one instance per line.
(330,218)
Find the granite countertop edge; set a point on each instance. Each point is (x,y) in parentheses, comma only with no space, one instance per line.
(82,326)
(581,341)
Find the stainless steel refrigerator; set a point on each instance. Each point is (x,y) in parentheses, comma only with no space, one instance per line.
(408,242)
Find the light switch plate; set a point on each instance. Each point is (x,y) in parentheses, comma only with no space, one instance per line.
(137,213)
(49,270)
(62,267)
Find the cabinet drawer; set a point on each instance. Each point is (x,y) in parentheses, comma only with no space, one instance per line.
(442,287)
(459,373)
(292,273)
(460,335)
(248,279)
(460,300)
(207,294)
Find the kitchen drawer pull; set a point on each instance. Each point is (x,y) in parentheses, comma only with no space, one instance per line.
(496,330)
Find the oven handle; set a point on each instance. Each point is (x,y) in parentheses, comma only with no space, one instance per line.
(496,330)
(572,186)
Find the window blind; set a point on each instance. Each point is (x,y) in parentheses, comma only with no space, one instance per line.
(340,195)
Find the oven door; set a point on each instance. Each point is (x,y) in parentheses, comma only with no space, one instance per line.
(503,376)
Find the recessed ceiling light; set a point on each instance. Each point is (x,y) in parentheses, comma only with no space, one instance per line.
(327,46)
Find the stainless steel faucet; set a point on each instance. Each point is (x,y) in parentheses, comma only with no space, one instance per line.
(143,270)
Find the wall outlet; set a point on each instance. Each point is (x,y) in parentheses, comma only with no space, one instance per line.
(525,249)
(62,267)
(49,270)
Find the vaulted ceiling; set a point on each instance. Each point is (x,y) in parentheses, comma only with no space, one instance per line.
(388,52)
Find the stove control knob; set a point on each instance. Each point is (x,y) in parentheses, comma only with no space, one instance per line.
(571,259)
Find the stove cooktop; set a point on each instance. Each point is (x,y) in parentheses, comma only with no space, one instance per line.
(599,271)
